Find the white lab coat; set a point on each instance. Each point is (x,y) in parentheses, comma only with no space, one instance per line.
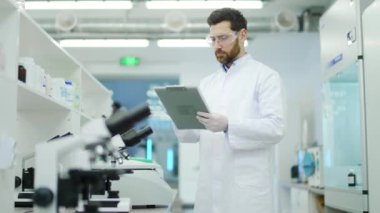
(236,167)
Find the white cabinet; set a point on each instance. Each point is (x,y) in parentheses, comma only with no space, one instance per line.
(299,199)
(188,172)
(31,115)
(306,199)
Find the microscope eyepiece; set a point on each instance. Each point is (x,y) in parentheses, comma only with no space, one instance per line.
(122,121)
(132,137)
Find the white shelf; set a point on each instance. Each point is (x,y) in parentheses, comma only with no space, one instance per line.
(30,99)
(46,52)
(95,83)
(8,38)
(7,4)
(312,189)
(84,118)
(96,99)
(28,114)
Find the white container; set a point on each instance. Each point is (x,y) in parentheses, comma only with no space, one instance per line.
(40,81)
(69,96)
(58,89)
(77,98)
(29,65)
(48,85)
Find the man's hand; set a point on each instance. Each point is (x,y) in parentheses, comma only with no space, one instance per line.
(213,122)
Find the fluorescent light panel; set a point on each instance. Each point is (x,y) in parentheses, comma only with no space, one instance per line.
(78,5)
(104,43)
(185,43)
(182,43)
(255,4)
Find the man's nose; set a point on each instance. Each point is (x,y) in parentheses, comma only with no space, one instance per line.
(216,45)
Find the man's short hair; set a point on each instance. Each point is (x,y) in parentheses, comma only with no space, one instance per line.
(235,17)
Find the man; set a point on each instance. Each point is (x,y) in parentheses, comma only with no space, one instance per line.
(246,120)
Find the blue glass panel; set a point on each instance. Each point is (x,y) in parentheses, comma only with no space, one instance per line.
(342,127)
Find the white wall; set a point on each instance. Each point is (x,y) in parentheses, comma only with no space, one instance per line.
(296,57)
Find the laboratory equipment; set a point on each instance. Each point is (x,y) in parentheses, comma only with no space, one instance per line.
(313,166)
(140,181)
(371,38)
(57,187)
(145,186)
(344,115)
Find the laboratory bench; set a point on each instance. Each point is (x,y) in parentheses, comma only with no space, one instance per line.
(156,210)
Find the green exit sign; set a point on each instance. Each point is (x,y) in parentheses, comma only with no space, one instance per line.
(129,61)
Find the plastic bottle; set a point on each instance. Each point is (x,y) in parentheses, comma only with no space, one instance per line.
(351,178)
(58,89)
(21,73)
(69,98)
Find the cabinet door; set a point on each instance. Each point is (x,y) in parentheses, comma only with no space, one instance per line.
(299,200)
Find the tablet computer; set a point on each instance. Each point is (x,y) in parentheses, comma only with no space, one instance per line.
(182,104)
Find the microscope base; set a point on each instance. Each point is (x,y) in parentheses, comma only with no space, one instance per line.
(145,188)
(122,205)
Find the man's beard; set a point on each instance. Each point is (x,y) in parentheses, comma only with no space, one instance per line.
(227,58)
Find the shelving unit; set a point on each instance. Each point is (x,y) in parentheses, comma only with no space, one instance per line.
(36,43)
(95,96)
(8,88)
(8,39)
(6,4)
(84,118)
(30,99)
(29,115)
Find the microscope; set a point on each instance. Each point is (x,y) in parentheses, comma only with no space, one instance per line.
(142,182)
(69,186)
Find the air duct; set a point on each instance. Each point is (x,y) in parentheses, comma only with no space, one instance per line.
(101,29)
(309,19)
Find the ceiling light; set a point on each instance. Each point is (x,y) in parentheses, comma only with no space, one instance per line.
(182,43)
(78,5)
(255,4)
(104,43)
(185,43)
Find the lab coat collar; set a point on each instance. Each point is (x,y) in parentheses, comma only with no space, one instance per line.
(236,63)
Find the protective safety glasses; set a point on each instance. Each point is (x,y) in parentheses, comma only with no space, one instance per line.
(222,40)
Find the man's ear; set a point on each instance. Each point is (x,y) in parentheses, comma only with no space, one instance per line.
(244,34)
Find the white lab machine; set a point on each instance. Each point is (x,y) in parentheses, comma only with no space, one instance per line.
(313,166)
(344,114)
(371,38)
